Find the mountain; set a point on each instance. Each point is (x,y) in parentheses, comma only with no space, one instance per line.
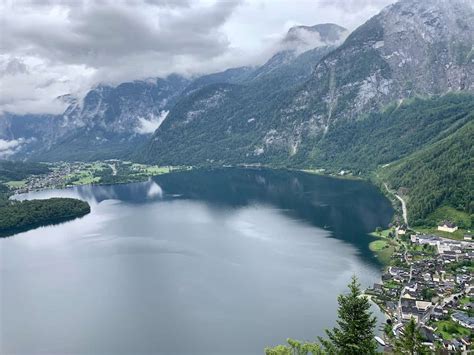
(438,179)
(411,48)
(219,122)
(108,123)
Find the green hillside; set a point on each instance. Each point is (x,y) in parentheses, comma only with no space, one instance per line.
(441,174)
(398,131)
(424,145)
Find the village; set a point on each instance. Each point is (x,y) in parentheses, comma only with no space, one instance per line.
(67,174)
(428,279)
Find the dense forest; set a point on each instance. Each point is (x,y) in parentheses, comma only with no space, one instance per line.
(383,137)
(15,170)
(19,216)
(439,175)
(424,145)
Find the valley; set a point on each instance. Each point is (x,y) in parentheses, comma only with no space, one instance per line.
(215,196)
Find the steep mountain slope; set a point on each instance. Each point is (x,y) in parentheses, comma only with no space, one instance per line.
(441,174)
(411,48)
(399,130)
(222,122)
(109,122)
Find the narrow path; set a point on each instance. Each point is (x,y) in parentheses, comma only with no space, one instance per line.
(404,205)
(114,169)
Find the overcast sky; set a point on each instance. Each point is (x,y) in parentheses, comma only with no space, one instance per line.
(50,48)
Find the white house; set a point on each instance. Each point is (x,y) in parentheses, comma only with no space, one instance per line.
(447,226)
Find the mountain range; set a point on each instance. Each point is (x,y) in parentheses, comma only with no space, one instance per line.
(387,98)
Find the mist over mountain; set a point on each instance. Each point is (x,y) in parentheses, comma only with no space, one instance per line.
(409,49)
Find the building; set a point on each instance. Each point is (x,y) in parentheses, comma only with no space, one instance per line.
(467,237)
(463,319)
(402,230)
(447,226)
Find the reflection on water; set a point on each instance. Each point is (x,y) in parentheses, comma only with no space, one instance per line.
(136,192)
(201,262)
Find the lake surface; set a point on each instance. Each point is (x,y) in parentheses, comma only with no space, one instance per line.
(202,262)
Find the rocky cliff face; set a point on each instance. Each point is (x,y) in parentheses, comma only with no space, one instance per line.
(108,122)
(411,48)
(274,113)
(236,115)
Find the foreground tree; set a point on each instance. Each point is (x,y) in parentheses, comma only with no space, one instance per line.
(410,341)
(354,334)
(295,347)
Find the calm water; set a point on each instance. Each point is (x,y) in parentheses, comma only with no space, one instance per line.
(203,262)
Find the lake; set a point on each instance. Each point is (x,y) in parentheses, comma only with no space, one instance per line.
(201,262)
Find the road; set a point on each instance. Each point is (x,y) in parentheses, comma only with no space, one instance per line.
(404,205)
(114,169)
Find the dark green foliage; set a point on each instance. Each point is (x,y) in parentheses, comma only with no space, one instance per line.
(13,170)
(398,131)
(356,324)
(441,174)
(295,347)
(18,216)
(410,341)
(354,334)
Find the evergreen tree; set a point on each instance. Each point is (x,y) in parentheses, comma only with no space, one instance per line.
(410,341)
(295,347)
(354,334)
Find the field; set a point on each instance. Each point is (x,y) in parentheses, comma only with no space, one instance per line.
(449,329)
(16,184)
(462,219)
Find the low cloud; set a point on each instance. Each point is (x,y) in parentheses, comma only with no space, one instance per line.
(49,48)
(9,147)
(150,125)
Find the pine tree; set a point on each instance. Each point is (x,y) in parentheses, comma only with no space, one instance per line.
(410,341)
(354,334)
(295,347)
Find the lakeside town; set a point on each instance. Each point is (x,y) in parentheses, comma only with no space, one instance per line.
(67,174)
(429,279)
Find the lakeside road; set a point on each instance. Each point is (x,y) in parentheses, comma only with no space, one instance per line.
(404,205)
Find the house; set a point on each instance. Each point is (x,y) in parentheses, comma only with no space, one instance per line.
(463,319)
(401,230)
(447,226)
(412,308)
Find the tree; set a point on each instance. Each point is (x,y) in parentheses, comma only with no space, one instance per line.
(294,347)
(354,334)
(410,341)
(378,230)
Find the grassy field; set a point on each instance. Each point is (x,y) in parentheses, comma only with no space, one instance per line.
(16,184)
(461,218)
(383,249)
(381,234)
(383,246)
(449,329)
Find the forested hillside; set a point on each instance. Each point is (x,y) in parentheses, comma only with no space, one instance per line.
(383,137)
(19,216)
(440,175)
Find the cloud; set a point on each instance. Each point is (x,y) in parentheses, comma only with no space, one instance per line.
(151,124)
(9,147)
(63,46)
(51,48)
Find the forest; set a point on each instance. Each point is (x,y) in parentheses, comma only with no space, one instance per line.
(19,216)
(423,145)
